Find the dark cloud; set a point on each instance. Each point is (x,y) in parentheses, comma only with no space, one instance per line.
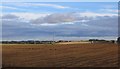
(9,16)
(59,18)
(100,26)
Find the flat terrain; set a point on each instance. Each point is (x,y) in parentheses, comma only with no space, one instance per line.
(59,55)
(73,42)
(0,55)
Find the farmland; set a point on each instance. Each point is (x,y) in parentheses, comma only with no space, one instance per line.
(60,55)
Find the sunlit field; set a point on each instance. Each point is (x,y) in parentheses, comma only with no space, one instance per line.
(60,55)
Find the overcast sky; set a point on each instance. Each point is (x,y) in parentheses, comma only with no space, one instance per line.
(66,20)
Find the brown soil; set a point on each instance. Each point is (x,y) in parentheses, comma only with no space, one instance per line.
(60,55)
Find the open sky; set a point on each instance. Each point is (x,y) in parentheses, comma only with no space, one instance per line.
(66,20)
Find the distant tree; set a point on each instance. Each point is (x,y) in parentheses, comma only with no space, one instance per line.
(92,40)
(118,40)
(112,41)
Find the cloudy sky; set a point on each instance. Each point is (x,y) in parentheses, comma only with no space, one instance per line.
(64,20)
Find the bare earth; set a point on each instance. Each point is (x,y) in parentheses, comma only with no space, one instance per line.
(0,55)
(59,55)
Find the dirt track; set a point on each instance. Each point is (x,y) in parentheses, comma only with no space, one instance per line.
(59,55)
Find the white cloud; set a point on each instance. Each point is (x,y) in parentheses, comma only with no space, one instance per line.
(51,5)
(104,26)
(45,24)
(93,14)
(8,7)
(38,5)
(109,10)
(68,18)
(56,18)
(52,19)
(11,8)
(30,16)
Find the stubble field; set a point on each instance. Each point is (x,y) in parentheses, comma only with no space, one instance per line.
(60,55)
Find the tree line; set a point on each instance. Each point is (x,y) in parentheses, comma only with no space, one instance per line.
(51,42)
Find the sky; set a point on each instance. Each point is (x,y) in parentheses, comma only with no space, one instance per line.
(60,0)
(63,20)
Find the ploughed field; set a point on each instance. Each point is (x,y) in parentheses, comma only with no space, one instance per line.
(60,55)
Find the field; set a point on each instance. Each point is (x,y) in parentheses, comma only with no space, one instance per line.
(60,55)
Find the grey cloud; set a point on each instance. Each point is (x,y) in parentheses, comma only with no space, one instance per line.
(108,22)
(9,16)
(59,18)
(101,26)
